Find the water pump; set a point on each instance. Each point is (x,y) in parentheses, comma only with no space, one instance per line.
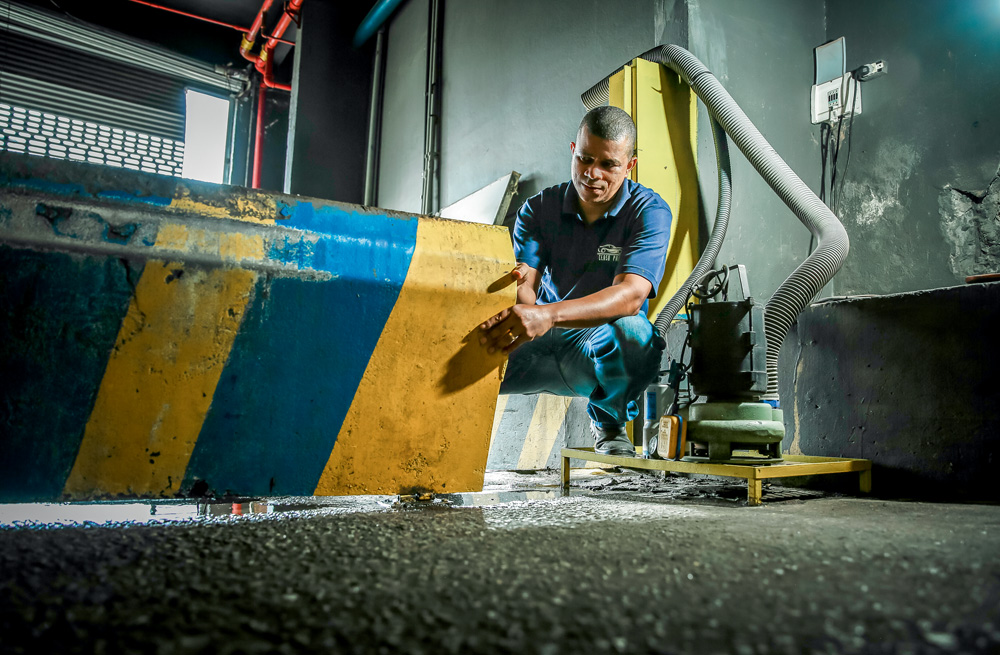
(728,368)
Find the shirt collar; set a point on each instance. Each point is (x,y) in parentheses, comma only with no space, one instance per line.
(571,207)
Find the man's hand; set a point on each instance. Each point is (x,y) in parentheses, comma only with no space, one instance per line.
(516,325)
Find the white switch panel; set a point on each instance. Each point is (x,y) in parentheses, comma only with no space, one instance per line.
(835,99)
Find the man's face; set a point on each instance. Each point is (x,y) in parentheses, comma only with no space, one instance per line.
(599,167)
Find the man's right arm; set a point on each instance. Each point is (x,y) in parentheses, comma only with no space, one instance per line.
(529,249)
(527,279)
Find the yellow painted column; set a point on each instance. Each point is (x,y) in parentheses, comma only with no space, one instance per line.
(665,111)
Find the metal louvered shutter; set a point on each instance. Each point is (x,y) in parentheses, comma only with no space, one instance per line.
(72,90)
(34,132)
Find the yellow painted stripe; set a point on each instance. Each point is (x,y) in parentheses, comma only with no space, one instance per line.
(498,416)
(250,206)
(231,247)
(421,416)
(795,448)
(548,417)
(161,376)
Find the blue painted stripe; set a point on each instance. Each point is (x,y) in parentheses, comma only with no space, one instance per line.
(44,186)
(72,189)
(60,318)
(134,198)
(299,358)
(331,232)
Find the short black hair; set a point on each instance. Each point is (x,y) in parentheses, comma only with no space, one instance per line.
(610,123)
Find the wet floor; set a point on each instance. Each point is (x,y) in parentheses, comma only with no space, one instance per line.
(624,563)
(500,488)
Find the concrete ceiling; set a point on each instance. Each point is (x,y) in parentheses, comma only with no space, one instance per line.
(238,12)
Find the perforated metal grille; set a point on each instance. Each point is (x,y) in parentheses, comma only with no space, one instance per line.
(48,135)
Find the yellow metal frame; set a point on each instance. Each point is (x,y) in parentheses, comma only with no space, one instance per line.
(793,466)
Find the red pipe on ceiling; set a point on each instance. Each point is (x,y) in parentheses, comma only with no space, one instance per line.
(263,61)
(263,64)
(251,34)
(189,15)
(203,18)
(290,13)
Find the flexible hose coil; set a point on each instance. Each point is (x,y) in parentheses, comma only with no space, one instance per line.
(818,268)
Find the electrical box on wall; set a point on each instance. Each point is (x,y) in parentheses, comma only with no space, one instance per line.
(835,100)
(834,89)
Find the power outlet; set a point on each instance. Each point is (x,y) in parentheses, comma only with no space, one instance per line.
(835,100)
(871,71)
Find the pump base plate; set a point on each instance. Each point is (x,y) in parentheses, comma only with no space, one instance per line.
(744,461)
(792,466)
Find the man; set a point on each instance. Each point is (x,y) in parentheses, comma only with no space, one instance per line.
(590,253)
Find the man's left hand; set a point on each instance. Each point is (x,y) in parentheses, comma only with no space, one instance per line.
(514,326)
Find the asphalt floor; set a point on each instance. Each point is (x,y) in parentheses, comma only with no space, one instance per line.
(625,563)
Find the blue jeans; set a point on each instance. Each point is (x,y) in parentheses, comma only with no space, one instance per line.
(609,364)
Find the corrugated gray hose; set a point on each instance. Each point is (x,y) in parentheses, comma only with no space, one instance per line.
(817,269)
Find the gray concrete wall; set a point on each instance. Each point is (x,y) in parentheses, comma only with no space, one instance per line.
(275,146)
(761,52)
(908,380)
(920,198)
(512,75)
(926,147)
(402,149)
(329,115)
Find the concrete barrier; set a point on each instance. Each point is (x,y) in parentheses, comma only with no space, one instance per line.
(162,337)
(906,380)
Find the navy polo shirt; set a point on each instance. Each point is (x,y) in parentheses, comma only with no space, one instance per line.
(577,259)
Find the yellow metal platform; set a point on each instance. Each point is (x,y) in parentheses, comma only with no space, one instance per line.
(793,466)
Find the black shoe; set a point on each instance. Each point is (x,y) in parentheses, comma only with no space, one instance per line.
(612,440)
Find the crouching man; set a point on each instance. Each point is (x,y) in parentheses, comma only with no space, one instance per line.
(590,254)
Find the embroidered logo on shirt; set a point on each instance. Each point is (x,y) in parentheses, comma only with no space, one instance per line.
(608,253)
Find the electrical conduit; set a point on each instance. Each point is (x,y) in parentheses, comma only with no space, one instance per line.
(374,22)
(374,112)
